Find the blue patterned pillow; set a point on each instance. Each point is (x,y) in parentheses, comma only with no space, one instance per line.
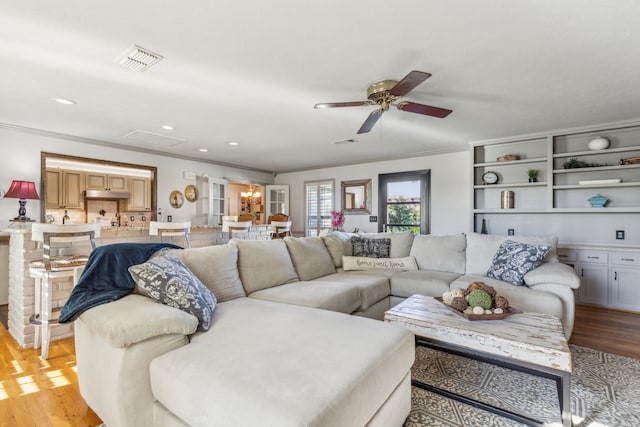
(371,248)
(513,260)
(168,281)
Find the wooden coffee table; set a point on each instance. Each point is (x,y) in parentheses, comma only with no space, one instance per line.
(529,342)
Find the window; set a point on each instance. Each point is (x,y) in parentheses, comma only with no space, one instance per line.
(319,204)
(404,201)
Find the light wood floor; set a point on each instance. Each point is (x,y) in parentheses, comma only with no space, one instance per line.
(45,393)
(41,393)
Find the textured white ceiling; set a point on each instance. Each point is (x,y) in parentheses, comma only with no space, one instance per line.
(251,71)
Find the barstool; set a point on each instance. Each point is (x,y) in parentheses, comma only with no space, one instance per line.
(56,264)
(162,229)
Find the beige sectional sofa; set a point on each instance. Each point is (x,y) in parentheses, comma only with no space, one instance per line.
(292,341)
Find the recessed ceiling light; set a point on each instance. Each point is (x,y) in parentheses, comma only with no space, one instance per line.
(64,101)
(204,150)
(234,143)
(167,127)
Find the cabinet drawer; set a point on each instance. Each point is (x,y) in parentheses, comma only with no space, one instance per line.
(598,257)
(625,258)
(566,255)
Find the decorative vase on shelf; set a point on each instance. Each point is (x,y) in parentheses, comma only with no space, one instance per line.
(483,229)
(598,143)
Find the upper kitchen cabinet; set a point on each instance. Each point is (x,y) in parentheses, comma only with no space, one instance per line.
(140,199)
(64,189)
(99,181)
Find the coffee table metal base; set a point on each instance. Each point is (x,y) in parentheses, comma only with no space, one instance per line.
(562,379)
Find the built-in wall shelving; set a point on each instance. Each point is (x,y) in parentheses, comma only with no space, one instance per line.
(558,189)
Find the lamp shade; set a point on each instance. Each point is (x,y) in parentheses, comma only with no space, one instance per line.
(22,190)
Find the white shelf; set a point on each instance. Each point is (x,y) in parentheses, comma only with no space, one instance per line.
(510,211)
(597,168)
(514,185)
(574,186)
(595,152)
(512,162)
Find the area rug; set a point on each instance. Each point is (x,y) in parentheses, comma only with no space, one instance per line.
(605,391)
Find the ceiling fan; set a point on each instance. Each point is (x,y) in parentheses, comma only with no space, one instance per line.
(387,92)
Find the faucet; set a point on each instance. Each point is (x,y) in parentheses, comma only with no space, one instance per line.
(118,218)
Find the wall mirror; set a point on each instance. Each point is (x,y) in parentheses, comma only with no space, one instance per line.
(356,196)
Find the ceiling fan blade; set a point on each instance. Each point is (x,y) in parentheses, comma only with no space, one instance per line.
(409,81)
(427,110)
(371,121)
(342,104)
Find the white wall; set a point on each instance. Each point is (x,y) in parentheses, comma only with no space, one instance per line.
(451,204)
(20,160)
(449,190)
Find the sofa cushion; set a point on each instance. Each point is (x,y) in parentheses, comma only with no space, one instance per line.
(424,282)
(482,247)
(264,264)
(338,243)
(372,288)
(268,364)
(217,267)
(310,257)
(341,297)
(520,297)
(168,281)
(400,242)
(440,252)
(373,248)
(513,260)
(366,263)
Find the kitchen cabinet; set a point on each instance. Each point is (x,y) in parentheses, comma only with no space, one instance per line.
(64,189)
(609,275)
(99,181)
(140,198)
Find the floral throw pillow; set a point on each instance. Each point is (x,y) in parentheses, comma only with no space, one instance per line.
(372,248)
(168,281)
(513,260)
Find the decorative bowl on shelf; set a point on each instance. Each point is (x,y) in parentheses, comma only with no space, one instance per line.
(598,143)
(598,201)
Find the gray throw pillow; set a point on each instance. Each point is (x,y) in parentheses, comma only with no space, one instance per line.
(372,248)
(513,260)
(167,280)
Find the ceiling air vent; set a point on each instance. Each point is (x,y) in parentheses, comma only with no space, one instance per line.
(143,137)
(137,58)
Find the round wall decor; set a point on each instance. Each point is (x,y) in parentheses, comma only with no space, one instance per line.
(176,199)
(191,193)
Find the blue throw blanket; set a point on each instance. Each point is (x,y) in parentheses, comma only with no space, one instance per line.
(106,276)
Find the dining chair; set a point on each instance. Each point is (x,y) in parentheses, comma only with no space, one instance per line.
(277,217)
(226,220)
(239,230)
(65,251)
(280,229)
(171,229)
(246,217)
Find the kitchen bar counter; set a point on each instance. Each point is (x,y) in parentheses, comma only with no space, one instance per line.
(22,250)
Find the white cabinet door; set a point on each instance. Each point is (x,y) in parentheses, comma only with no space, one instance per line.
(277,199)
(625,288)
(594,289)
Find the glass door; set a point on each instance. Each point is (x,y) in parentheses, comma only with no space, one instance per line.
(277,199)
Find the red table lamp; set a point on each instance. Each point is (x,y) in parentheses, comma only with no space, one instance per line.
(22,190)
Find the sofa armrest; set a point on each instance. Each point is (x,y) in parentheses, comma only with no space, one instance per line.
(135,318)
(553,272)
